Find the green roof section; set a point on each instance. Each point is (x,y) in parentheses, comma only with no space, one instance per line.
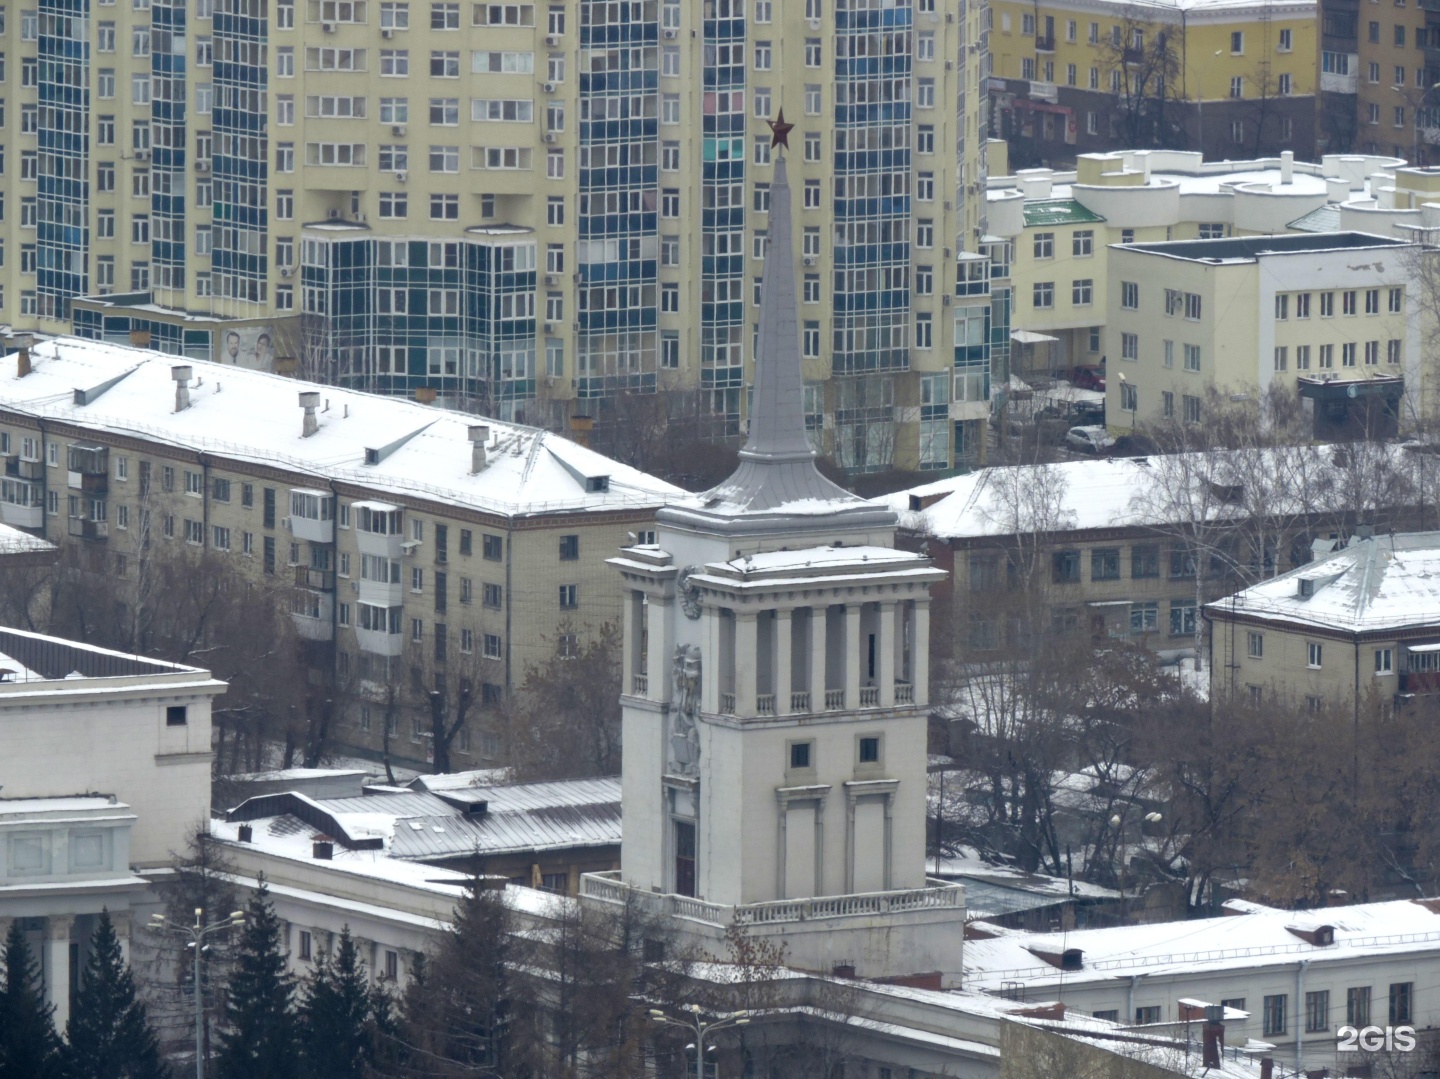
(1042,212)
(1320,219)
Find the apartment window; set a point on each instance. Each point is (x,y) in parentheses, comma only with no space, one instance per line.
(1044,245)
(444,207)
(810,339)
(1167,404)
(1327,305)
(1130,295)
(1401,998)
(1129,347)
(924,142)
(1347,302)
(569,548)
(1081,292)
(1129,397)
(1286,40)
(1347,354)
(1281,357)
(569,597)
(1357,1006)
(1043,295)
(1392,350)
(1317,1011)
(1191,408)
(1274,1015)
(925,232)
(1255,645)
(1105,564)
(762,55)
(1065,567)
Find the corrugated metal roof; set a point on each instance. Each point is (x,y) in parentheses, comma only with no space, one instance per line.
(1321,219)
(1057,212)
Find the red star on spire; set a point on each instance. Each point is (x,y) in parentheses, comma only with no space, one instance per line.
(780,130)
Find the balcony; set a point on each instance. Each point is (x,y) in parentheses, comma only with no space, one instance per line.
(1331,83)
(20,468)
(800,702)
(379,642)
(314,615)
(312,515)
(640,685)
(834,700)
(727,704)
(1044,42)
(317,580)
(765,704)
(1134,56)
(904,693)
(19,515)
(89,530)
(869,696)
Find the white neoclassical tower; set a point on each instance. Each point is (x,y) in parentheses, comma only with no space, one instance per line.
(775,666)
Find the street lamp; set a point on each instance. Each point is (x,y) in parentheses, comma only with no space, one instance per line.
(1118,821)
(693,1022)
(197,934)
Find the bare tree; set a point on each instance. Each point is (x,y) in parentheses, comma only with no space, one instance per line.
(1142,54)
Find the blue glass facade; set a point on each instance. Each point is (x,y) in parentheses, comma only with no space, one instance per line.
(872,186)
(722,209)
(617,238)
(238,259)
(457,316)
(167,144)
(62,192)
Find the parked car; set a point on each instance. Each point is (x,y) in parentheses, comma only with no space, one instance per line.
(1088,377)
(1089,413)
(1088,439)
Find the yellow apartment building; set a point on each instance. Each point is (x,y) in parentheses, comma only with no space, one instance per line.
(1228,79)
(529,210)
(1356,628)
(414,537)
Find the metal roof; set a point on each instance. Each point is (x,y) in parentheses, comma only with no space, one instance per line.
(1320,219)
(1058,212)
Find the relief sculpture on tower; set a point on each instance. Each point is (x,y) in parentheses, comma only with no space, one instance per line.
(684,738)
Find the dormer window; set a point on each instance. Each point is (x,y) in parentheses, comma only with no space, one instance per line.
(597,484)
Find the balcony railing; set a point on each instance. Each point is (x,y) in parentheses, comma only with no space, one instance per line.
(834,699)
(727,704)
(800,702)
(869,696)
(639,685)
(1044,42)
(90,530)
(904,693)
(19,468)
(765,704)
(317,580)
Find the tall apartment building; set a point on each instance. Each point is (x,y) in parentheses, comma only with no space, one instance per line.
(525,209)
(1231,78)
(1378,68)
(409,537)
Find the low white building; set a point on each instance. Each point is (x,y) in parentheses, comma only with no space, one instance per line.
(105,771)
(1289,978)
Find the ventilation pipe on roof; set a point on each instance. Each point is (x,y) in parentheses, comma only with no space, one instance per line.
(181,374)
(1287,166)
(479,435)
(309,401)
(24,342)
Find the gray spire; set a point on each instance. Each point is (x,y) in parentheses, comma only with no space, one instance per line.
(777,473)
(777,406)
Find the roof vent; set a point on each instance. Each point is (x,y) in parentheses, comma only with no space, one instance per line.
(1321,936)
(477,809)
(24,343)
(181,374)
(479,435)
(324,849)
(245,833)
(1069,959)
(309,401)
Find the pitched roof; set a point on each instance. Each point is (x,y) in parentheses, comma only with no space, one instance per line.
(14,541)
(1041,212)
(1389,582)
(246,415)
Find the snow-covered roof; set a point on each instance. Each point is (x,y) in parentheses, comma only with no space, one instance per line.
(1389,582)
(419,450)
(13,810)
(37,657)
(417,825)
(1252,936)
(14,541)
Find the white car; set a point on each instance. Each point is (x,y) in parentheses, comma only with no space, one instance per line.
(1088,439)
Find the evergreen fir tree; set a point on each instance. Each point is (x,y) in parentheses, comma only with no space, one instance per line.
(29,1046)
(261,1039)
(342,1018)
(109,1034)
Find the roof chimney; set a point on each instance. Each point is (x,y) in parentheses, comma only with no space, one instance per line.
(24,342)
(479,435)
(1213,1035)
(323,849)
(1287,166)
(181,374)
(309,401)
(245,833)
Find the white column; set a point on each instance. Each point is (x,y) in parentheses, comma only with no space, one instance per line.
(852,656)
(817,658)
(658,647)
(784,661)
(746,656)
(920,651)
(886,646)
(57,969)
(630,633)
(123,931)
(710,661)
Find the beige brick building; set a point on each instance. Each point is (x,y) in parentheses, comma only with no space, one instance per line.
(407,543)
(1358,627)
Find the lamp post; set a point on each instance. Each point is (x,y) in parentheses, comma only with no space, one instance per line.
(1118,821)
(694,1023)
(198,934)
